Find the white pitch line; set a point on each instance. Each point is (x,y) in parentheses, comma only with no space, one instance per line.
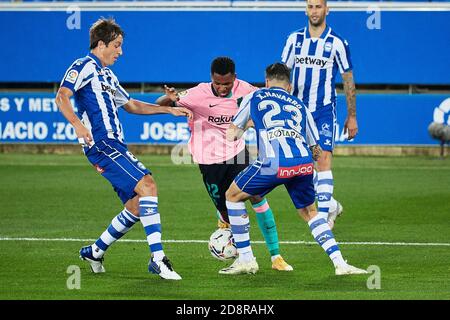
(425,244)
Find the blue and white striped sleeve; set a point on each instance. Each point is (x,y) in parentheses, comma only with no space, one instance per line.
(77,76)
(122,96)
(312,134)
(287,57)
(243,115)
(342,56)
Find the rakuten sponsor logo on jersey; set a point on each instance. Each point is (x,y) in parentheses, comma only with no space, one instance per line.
(310,61)
(220,120)
(300,170)
(283,132)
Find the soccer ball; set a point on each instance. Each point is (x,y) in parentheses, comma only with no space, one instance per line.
(221,245)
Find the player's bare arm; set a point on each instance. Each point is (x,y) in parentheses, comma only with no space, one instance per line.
(64,105)
(250,124)
(172,93)
(234,133)
(351,125)
(140,107)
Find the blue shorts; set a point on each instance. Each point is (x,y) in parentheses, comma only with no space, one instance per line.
(260,179)
(118,165)
(326,121)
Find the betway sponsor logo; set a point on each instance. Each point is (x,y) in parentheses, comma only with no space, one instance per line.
(300,170)
(311,61)
(282,132)
(108,88)
(220,119)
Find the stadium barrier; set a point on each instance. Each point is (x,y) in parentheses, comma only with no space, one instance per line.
(390,42)
(390,45)
(398,121)
(139,149)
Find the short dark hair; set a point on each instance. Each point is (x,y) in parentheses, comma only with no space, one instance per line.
(223,66)
(278,71)
(106,30)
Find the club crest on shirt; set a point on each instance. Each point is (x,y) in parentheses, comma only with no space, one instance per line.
(328,47)
(182,93)
(72,76)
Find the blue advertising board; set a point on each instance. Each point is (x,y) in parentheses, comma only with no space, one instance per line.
(175,46)
(384,119)
(35,118)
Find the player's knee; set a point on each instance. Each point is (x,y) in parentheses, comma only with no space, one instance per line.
(308,213)
(302,213)
(230,195)
(311,211)
(256,199)
(146,187)
(133,206)
(311,214)
(324,161)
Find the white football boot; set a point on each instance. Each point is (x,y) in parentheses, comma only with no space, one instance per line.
(332,215)
(345,269)
(163,268)
(96,264)
(239,267)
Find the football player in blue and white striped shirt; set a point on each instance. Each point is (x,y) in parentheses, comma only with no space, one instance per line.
(286,133)
(315,54)
(98,96)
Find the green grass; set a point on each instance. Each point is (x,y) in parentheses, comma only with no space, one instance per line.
(386,199)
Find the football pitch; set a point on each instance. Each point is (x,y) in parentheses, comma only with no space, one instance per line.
(396,221)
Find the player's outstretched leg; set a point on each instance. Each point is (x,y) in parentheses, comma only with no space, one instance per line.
(159,264)
(325,238)
(266,223)
(120,225)
(240,225)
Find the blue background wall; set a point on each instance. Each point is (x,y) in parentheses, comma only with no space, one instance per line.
(177,46)
(382,119)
